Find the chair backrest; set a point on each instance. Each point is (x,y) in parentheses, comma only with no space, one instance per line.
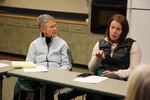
(70,57)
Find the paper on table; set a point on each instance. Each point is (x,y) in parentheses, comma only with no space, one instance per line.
(3,65)
(90,79)
(22,64)
(36,69)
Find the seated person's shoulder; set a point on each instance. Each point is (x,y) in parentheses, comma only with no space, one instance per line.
(59,39)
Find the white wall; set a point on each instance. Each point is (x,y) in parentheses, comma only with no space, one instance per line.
(139,19)
(75,6)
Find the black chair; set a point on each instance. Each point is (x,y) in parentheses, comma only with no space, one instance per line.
(71,61)
(29,93)
(75,93)
(26,90)
(70,57)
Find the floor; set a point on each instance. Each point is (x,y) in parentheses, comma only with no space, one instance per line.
(8,82)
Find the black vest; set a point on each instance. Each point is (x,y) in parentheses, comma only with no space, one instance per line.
(121,55)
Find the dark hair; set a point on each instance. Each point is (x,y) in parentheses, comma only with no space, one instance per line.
(124,23)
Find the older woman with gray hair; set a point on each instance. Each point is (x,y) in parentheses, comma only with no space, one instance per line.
(48,50)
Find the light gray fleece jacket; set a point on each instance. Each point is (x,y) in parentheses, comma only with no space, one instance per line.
(53,56)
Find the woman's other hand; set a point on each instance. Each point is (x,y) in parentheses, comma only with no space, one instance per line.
(106,72)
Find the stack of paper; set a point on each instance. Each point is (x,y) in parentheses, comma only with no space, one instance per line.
(22,64)
(4,65)
(90,79)
(36,69)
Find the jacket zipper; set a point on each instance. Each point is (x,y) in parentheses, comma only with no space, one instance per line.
(48,52)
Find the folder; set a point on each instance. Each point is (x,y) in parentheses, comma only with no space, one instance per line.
(22,64)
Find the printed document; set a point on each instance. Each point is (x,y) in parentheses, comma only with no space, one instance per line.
(36,69)
(4,65)
(90,79)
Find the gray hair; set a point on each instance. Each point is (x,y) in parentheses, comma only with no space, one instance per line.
(43,19)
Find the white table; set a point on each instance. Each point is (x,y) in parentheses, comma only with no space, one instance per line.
(109,87)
